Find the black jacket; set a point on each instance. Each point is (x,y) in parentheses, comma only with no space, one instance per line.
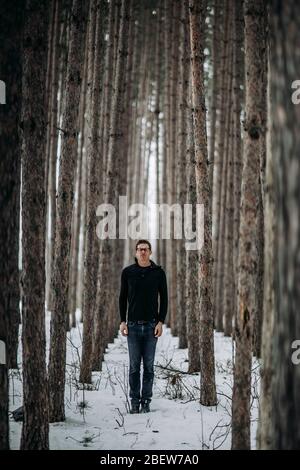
(140,287)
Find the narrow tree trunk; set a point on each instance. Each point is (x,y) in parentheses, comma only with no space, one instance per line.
(94,161)
(215,86)
(238,101)
(111,194)
(192,256)
(168,28)
(108,79)
(35,399)
(115,8)
(112,319)
(264,435)
(174,69)
(82,229)
(208,395)
(258,319)
(49,77)
(223,251)
(75,244)
(158,67)
(219,170)
(182,110)
(54,124)
(249,250)
(166,24)
(228,285)
(57,359)
(133,112)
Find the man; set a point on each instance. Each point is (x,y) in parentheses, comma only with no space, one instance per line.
(141,284)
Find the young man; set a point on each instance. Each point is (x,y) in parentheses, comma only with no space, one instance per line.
(141,284)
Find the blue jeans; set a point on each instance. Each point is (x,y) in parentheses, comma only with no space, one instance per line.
(141,345)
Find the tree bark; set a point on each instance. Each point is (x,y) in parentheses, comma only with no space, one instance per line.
(53,124)
(192,256)
(75,269)
(182,111)
(215,86)
(249,249)
(258,319)
(172,162)
(158,72)
(208,395)
(35,399)
(219,170)
(57,359)
(111,189)
(10,150)
(285,111)
(226,286)
(93,199)
(264,434)
(238,105)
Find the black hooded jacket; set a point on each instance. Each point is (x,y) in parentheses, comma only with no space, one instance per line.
(140,287)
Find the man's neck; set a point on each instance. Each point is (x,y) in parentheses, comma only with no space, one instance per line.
(144,265)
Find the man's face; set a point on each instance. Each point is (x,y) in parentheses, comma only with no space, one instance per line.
(143,252)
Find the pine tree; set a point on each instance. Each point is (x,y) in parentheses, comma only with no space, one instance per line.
(249,248)
(284,69)
(60,313)
(35,400)
(208,395)
(95,165)
(111,193)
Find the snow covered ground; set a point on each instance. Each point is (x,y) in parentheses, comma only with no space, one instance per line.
(99,418)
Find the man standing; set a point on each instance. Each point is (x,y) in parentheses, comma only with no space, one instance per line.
(141,284)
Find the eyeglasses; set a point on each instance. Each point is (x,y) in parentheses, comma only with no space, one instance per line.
(142,249)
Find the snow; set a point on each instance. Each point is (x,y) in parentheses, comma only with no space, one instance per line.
(177,421)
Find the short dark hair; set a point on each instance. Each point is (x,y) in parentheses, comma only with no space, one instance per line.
(143,241)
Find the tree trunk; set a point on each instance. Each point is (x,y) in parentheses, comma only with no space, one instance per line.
(238,102)
(215,85)
(93,198)
(75,273)
(57,359)
(35,399)
(192,256)
(105,272)
(82,251)
(219,171)
(10,56)
(168,28)
(285,111)
(108,79)
(249,249)
(208,395)
(227,292)
(182,111)
(53,124)
(264,436)
(158,69)
(174,69)
(258,319)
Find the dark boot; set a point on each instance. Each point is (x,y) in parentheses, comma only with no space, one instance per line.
(135,408)
(145,406)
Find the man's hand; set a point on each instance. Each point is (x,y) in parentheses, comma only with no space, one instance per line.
(124,329)
(158,329)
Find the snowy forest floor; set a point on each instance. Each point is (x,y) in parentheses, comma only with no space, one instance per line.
(100,419)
